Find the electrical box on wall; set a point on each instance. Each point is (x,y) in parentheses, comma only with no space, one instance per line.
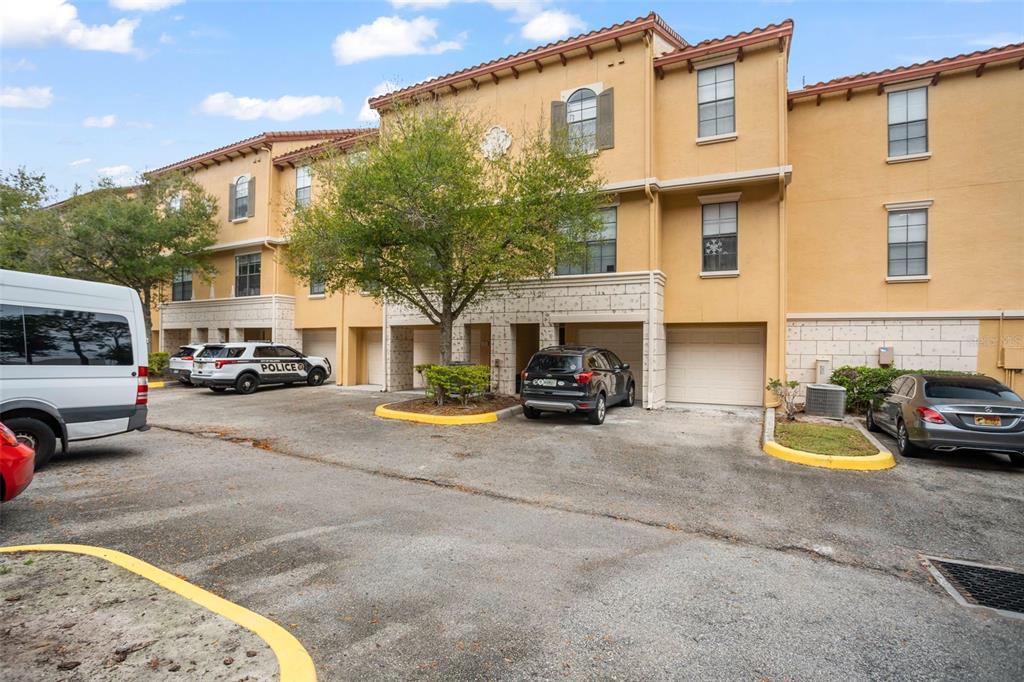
(885,356)
(1012,358)
(822,371)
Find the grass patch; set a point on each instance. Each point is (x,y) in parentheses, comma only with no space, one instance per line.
(824,439)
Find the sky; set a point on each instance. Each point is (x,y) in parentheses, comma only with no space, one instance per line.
(115,87)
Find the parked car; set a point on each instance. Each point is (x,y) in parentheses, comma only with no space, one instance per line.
(180,364)
(576,379)
(245,366)
(947,413)
(17,462)
(73,360)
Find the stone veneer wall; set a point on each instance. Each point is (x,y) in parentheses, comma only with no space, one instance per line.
(602,298)
(233,314)
(950,344)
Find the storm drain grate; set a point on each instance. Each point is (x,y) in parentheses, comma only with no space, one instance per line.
(979,585)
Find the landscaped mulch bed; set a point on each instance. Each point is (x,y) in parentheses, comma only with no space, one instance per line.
(475,406)
(824,439)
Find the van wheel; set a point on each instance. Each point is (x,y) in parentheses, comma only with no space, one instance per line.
(596,416)
(316,377)
(35,434)
(218,389)
(531,412)
(247,383)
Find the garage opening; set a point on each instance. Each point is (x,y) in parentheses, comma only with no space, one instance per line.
(426,350)
(722,365)
(527,343)
(257,334)
(322,343)
(372,358)
(626,340)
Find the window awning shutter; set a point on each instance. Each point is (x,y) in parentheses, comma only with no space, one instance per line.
(231,201)
(558,126)
(606,119)
(252,197)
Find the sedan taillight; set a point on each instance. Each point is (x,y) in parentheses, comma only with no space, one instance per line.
(189,358)
(931,416)
(217,364)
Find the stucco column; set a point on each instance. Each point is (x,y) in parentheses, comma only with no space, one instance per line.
(236,334)
(503,357)
(399,359)
(195,337)
(548,335)
(460,342)
(654,364)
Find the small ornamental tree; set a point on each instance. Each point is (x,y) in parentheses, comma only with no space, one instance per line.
(421,217)
(137,236)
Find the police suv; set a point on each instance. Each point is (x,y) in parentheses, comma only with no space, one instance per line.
(244,366)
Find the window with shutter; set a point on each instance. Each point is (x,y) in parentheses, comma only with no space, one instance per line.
(606,119)
(231,201)
(252,197)
(581,120)
(240,201)
(557,119)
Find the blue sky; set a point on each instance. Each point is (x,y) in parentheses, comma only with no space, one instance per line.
(119,86)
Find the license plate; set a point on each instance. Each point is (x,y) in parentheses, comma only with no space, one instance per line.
(982,420)
(545,382)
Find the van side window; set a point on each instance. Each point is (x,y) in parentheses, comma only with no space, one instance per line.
(75,337)
(12,335)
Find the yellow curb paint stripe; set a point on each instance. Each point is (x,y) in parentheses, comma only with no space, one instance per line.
(157,384)
(484,418)
(293,660)
(877,462)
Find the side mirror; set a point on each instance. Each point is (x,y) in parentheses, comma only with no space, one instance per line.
(625,365)
(882,392)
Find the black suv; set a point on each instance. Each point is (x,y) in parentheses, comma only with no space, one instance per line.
(576,379)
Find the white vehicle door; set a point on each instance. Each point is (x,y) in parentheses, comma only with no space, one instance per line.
(280,363)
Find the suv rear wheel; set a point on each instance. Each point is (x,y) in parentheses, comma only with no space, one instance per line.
(37,435)
(596,416)
(531,412)
(247,383)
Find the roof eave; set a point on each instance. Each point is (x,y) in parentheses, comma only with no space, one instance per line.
(780,32)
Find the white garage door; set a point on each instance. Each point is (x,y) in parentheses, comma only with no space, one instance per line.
(721,365)
(626,342)
(321,343)
(426,348)
(374,357)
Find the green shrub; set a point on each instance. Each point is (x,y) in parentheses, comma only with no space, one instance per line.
(863,383)
(158,362)
(455,382)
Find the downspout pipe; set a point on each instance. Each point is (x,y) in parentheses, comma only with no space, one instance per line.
(651,221)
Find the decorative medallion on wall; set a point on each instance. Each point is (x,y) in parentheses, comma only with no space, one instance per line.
(495,143)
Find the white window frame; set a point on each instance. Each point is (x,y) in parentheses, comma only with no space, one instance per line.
(728,60)
(899,207)
(245,214)
(725,198)
(904,87)
(309,186)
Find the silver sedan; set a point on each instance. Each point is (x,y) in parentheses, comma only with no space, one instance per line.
(947,413)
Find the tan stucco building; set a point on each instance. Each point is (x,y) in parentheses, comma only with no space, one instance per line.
(754,232)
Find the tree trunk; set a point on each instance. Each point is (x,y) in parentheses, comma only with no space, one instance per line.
(147,314)
(446,320)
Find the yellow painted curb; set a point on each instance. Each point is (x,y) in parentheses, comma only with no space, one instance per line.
(157,384)
(445,420)
(293,661)
(883,460)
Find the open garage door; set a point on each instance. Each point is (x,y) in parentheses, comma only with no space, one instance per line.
(322,343)
(720,365)
(426,349)
(374,356)
(625,341)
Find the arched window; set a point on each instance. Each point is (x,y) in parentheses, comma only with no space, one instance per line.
(242,197)
(581,120)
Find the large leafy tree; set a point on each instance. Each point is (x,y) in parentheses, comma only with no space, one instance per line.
(422,217)
(133,236)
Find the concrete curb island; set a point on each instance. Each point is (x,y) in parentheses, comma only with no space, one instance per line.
(878,462)
(384,412)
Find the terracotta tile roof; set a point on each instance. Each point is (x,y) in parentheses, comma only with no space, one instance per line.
(782,29)
(319,147)
(650,21)
(920,70)
(256,140)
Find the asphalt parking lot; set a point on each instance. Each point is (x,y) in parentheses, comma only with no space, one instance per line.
(661,545)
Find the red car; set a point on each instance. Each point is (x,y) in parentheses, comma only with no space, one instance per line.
(17,462)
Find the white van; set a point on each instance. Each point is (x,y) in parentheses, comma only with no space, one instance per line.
(73,359)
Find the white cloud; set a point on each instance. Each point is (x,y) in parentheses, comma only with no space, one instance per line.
(391,37)
(143,5)
(552,25)
(32,97)
(997,39)
(121,175)
(12,65)
(108,121)
(283,108)
(35,23)
(80,162)
(166,39)
(366,113)
(420,4)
